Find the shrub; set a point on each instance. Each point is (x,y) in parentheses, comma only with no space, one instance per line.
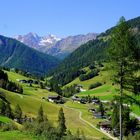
(92,66)
(90,75)
(97,84)
(70,91)
(8,127)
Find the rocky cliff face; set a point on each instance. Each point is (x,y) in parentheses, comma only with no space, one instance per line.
(50,44)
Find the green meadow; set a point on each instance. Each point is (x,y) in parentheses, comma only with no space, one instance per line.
(31,100)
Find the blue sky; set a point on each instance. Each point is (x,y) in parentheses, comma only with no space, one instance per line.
(63,17)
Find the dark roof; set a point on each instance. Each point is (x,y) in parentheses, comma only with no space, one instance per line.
(108,123)
(54,97)
(76,98)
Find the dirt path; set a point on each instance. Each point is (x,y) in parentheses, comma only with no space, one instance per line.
(80,117)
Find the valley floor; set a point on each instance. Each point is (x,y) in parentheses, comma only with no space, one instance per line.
(77,115)
(30,102)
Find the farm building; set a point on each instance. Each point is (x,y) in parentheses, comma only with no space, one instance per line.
(55,99)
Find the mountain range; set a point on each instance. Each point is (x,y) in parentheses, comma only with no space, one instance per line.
(52,45)
(14,54)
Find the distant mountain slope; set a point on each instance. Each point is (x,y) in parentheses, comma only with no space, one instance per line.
(53,45)
(14,54)
(94,50)
(39,43)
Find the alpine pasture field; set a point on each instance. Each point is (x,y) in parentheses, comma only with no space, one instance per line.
(31,100)
(104,92)
(16,135)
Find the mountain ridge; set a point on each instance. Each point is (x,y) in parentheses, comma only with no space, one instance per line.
(52,45)
(15,54)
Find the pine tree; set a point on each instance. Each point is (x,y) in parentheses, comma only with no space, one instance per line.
(20,89)
(61,123)
(3,108)
(101,109)
(40,116)
(115,116)
(18,113)
(8,111)
(124,61)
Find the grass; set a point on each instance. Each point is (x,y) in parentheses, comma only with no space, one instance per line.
(136,108)
(14,76)
(85,113)
(31,104)
(31,100)
(105,92)
(4,119)
(87,116)
(73,116)
(103,77)
(15,135)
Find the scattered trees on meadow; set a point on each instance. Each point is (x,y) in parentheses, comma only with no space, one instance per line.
(89,75)
(9,85)
(101,109)
(61,123)
(8,111)
(70,90)
(97,84)
(42,128)
(18,113)
(5,110)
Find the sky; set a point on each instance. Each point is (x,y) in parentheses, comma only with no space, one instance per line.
(63,17)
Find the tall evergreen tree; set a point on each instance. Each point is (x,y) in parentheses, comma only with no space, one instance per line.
(20,89)
(3,108)
(115,116)
(101,109)
(18,113)
(40,116)
(8,111)
(125,61)
(61,123)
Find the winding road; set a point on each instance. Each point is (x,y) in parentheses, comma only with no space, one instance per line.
(80,117)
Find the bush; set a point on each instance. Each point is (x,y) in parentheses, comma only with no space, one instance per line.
(8,127)
(97,84)
(9,85)
(70,91)
(92,66)
(90,75)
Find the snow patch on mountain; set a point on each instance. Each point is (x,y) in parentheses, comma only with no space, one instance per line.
(53,45)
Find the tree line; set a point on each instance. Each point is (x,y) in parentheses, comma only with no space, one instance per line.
(89,75)
(40,126)
(9,85)
(5,110)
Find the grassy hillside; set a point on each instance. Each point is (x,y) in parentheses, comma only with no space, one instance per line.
(103,77)
(4,119)
(15,135)
(104,92)
(31,100)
